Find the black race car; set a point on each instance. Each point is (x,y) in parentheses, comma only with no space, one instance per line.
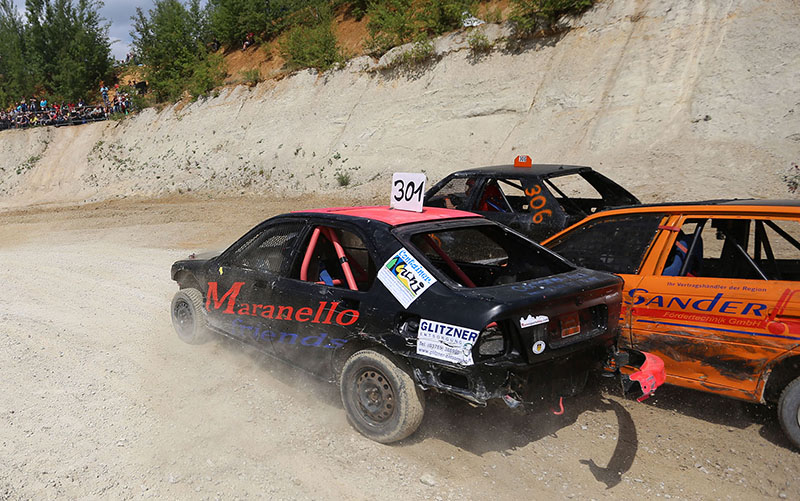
(537,200)
(391,303)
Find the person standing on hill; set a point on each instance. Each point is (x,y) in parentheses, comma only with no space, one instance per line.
(104,92)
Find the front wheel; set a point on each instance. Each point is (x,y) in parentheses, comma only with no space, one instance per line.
(188,316)
(789,412)
(381,400)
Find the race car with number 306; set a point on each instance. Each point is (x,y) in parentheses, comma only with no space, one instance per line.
(392,304)
(537,200)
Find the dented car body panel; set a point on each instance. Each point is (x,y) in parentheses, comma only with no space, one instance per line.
(470,307)
(712,288)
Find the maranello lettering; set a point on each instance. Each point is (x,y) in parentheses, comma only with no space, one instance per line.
(322,340)
(325,313)
(717,304)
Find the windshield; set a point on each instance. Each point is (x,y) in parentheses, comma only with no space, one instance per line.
(485,255)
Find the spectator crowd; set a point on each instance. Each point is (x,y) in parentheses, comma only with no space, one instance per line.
(35,112)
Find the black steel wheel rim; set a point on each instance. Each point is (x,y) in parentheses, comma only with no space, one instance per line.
(375,396)
(184,319)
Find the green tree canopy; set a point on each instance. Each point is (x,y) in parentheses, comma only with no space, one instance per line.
(169,42)
(15,81)
(61,50)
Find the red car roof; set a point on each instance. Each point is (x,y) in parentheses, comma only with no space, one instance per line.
(396,217)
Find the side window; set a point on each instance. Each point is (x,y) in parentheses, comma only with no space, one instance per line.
(617,244)
(755,249)
(506,195)
(777,248)
(576,195)
(492,198)
(269,249)
(453,195)
(337,258)
(574,186)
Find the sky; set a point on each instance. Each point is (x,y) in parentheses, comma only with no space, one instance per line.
(118,14)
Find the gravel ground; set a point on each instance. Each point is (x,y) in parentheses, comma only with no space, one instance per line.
(99,398)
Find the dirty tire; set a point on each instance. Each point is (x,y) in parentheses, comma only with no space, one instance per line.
(789,412)
(381,400)
(189,317)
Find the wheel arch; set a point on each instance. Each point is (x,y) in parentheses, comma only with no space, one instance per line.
(782,373)
(186,280)
(353,346)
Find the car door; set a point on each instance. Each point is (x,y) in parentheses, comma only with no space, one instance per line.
(325,298)
(730,305)
(242,289)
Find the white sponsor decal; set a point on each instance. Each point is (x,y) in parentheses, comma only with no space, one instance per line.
(446,342)
(405,278)
(530,320)
(538,347)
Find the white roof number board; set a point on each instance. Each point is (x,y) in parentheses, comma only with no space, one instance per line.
(407,191)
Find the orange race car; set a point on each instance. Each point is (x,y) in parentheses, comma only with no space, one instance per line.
(713,288)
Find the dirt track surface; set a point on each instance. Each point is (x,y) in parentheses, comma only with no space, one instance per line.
(99,398)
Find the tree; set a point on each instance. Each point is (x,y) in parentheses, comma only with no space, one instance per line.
(62,51)
(312,42)
(232,20)
(167,41)
(15,79)
(85,59)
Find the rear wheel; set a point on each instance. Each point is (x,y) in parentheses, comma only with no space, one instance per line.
(789,412)
(381,400)
(188,316)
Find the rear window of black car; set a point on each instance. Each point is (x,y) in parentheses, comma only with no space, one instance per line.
(486,255)
(616,244)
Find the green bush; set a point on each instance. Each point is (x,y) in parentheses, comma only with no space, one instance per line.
(479,43)
(396,22)
(312,46)
(421,52)
(391,23)
(251,77)
(437,17)
(207,72)
(343,178)
(530,16)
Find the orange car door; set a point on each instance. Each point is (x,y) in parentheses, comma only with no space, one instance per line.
(715,311)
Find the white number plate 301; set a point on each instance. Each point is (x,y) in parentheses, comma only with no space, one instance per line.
(407,191)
